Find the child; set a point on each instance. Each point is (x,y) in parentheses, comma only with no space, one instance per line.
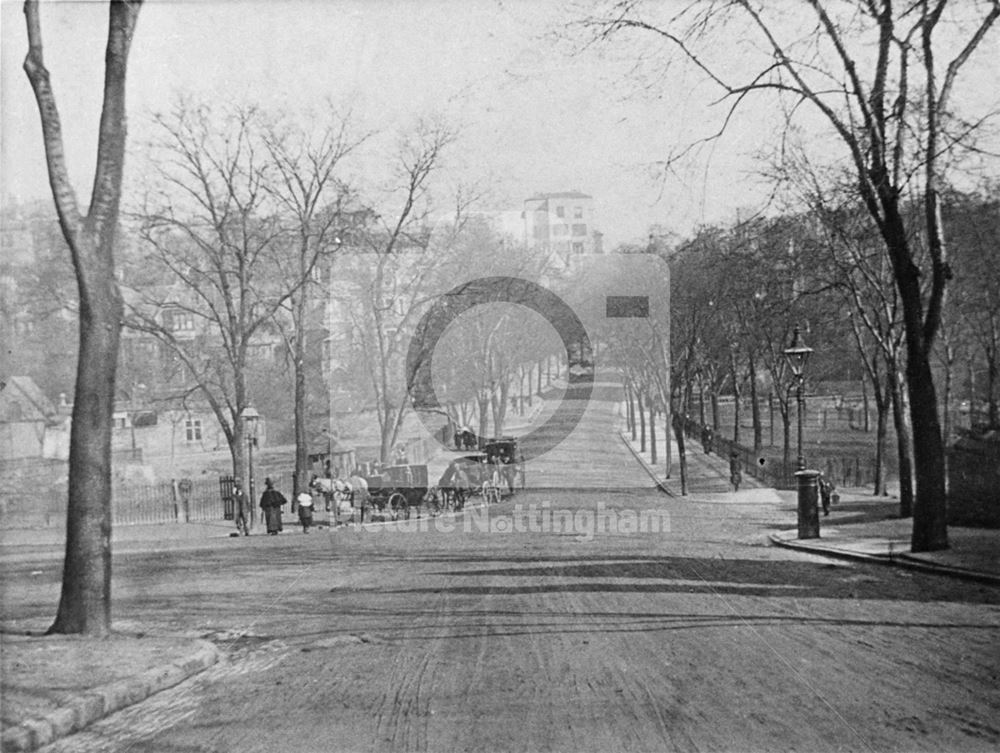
(305,501)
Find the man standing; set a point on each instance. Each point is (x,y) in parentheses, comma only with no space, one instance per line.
(240,508)
(271,502)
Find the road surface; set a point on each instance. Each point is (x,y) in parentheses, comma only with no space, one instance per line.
(544,626)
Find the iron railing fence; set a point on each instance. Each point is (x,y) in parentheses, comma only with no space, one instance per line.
(842,470)
(179,500)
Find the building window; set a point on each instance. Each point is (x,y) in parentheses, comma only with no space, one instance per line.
(578,212)
(120,422)
(560,211)
(178,321)
(579,229)
(192,430)
(577,248)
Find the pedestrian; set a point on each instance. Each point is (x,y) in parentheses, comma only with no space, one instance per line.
(271,502)
(400,457)
(735,473)
(305,501)
(359,494)
(240,508)
(825,493)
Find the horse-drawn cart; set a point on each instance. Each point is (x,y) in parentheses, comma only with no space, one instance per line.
(485,473)
(398,489)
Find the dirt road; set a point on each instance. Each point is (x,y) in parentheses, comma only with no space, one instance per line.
(545,626)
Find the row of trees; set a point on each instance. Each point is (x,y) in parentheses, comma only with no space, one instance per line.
(867,92)
(741,290)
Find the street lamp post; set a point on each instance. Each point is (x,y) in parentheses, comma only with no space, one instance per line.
(797,355)
(250,416)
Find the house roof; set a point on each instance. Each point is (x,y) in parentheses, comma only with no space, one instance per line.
(559,195)
(24,388)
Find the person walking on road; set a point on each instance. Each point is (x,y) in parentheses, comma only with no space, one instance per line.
(241,509)
(735,472)
(305,502)
(271,502)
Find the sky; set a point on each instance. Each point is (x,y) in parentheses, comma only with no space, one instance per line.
(533,113)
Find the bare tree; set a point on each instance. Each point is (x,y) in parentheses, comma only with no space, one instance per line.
(306,189)
(85,603)
(895,127)
(218,244)
(392,259)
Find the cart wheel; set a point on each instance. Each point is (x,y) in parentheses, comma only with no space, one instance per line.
(396,505)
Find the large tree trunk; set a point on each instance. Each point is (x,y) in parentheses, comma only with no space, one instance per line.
(701,401)
(85,601)
(678,425)
(991,387)
(736,413)
(758,432)
(930,524)
(630,409)
(882,403)
(652,430)
(640,409)
(786,435)
(302,465)
(902,445)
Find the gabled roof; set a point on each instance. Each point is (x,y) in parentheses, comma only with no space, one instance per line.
(24,388)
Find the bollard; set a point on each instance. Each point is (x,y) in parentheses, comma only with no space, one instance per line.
(808,485)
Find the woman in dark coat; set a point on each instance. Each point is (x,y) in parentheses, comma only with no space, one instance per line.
(271,502)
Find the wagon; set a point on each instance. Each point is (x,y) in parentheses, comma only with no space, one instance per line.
(397,489)
(486,473)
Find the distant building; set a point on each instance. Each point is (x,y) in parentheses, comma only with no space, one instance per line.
(562,223)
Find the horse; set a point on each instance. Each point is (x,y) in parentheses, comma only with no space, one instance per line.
(455,484)
(359,494)
(336,489)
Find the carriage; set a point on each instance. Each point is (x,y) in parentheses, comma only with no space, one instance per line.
(503,454)
(487,473)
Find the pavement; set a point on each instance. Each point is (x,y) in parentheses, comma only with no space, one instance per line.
(56,685)
(860,527)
